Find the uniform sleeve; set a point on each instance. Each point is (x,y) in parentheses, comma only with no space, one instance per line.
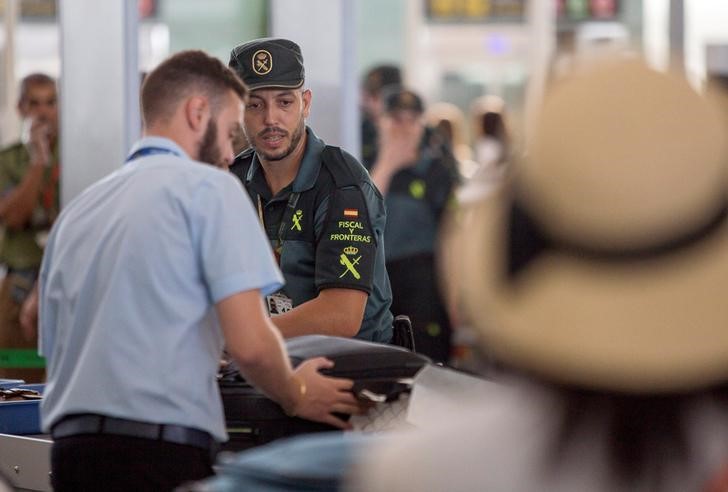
(234,254)
(347,245)
(7,183)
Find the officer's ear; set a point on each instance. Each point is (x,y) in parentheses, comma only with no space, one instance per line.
(197,113)
(307,95)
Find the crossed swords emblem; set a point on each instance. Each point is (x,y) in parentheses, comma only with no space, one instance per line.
(297,220)
(349,264)
(262,62)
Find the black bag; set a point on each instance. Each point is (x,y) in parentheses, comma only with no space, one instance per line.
(380,373)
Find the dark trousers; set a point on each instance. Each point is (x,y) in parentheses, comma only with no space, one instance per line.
(415,292)
(111,463)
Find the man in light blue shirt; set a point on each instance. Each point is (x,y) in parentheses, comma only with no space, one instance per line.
(145,276)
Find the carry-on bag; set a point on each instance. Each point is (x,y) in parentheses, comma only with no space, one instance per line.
(381,373)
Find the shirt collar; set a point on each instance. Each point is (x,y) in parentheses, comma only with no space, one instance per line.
(158,142)
(308,171)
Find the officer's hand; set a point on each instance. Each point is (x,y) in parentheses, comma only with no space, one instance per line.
(320,396)
(39,145)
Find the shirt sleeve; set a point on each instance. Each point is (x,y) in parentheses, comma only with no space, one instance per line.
(347,245)
(233,252)
(47,306)
(7,183)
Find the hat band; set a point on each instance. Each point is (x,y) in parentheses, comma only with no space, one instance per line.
(527,240)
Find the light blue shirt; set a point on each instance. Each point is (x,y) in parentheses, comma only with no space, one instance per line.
(130,276)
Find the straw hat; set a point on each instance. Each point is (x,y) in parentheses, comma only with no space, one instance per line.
(604,263)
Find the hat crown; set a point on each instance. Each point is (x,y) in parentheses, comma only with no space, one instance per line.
(269,63)
(623,160)
(623,157)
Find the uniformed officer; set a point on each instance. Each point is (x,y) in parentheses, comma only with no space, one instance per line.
(324,217)
(417,174)
(29,173)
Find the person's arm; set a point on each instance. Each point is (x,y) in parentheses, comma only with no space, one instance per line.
(29,315)
(397,150)
(255,343)
(16,207)
(391,159)
(334,311)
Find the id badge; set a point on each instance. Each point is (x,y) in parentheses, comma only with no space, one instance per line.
(278,303)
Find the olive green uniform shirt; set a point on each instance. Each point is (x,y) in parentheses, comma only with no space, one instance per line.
(19,248)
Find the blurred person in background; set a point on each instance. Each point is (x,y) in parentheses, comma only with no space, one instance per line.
(417,174)
(29,204)
(492,150)
(448,122)
(492,142)
(597,276)
(372,106)
(323,215)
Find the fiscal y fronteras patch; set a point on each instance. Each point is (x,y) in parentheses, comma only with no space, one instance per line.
(350,263)
(351,231)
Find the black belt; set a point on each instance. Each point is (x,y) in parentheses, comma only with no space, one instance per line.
(75,425)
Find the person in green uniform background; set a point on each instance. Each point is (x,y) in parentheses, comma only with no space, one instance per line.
(29,204)
(416,172)
(323,215)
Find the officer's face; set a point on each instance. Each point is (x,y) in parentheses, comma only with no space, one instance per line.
(222,130)
(40,102)
(275,121)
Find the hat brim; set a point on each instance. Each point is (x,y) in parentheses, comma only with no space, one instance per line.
(656,325)
(294,84)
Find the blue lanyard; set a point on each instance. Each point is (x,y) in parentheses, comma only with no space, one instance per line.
(146,151)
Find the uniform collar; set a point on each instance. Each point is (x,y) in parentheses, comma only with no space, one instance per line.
(158,142)
(308,171)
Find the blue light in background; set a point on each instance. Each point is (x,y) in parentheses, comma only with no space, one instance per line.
(497,44)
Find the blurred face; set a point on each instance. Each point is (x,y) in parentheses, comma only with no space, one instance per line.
(371,104)
(217,145)
(40,102)
(402,124)
(275,121)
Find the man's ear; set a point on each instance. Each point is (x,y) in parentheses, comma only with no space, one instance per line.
(197,112)
(307,95)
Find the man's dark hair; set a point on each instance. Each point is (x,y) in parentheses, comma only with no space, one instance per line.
(187,71)
(32,80)
(381,76)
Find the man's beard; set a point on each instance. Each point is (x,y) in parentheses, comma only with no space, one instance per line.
(209,151)
(295,139)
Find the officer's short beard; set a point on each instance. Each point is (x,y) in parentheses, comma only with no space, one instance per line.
(296,137)
(209,151)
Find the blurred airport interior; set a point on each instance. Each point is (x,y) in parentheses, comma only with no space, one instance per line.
(450,51)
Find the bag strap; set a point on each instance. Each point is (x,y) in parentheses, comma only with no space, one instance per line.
(334,160)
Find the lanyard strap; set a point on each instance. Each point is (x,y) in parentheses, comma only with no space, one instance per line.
(145,151)
(287,217)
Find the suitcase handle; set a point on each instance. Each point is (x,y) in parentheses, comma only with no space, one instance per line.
(402,334)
